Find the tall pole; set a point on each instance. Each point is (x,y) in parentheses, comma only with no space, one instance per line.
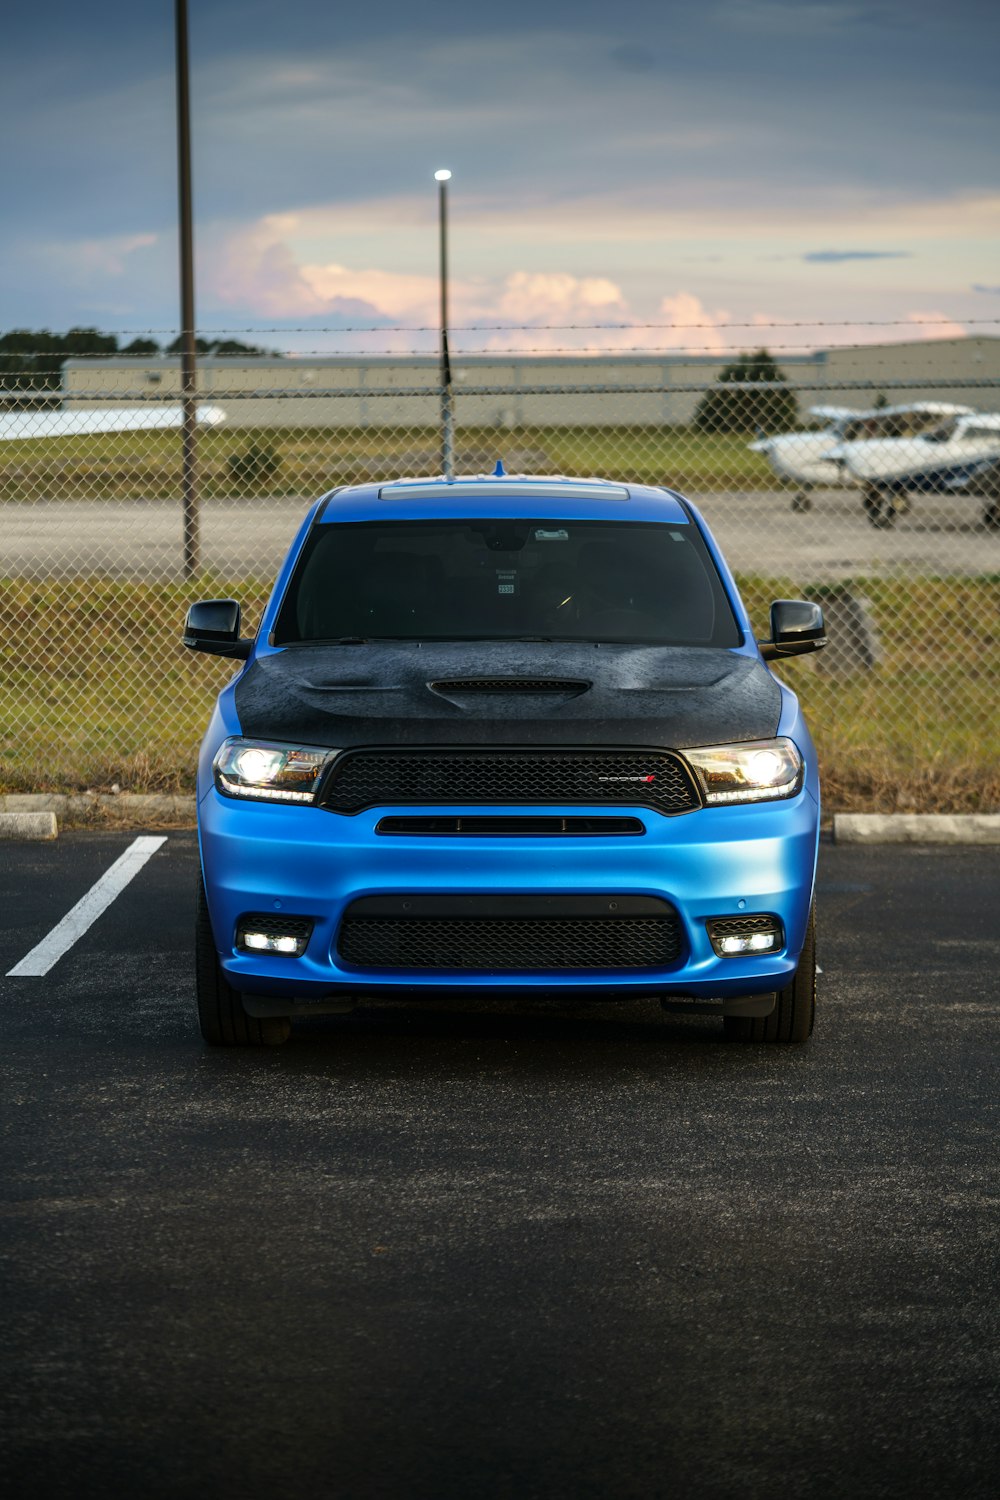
(189,414)
(447,406)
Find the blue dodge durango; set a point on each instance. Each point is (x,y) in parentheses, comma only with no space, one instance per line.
(507,735)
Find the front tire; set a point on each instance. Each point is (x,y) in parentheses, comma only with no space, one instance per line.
(794,1012)
(223,1021)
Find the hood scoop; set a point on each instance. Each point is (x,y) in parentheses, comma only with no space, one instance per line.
(489,693)
(563,686)
(509,697)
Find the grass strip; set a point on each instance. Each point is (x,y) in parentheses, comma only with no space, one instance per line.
(96,690)
(308,460)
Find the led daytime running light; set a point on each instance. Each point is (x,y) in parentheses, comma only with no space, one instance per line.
(265,793)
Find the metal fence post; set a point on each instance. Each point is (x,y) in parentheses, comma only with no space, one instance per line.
(189,412)
(447,401)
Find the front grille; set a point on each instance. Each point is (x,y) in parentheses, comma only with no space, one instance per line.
(372,778)
(473,827)
(499,934)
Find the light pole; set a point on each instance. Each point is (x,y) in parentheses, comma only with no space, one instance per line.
(442,178)
(189,413)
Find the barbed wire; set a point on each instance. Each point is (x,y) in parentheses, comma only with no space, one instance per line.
(590,351)
(435,328)
(431,392)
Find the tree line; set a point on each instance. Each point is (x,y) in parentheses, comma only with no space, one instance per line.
(32,358)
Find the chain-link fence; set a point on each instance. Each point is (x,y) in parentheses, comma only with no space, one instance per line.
(871,483)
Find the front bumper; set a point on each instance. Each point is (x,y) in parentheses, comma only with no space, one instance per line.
(307,862)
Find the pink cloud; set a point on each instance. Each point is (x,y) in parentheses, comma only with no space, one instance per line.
(551,296)
(936,325)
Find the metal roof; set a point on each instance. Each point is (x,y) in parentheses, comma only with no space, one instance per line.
(479,486)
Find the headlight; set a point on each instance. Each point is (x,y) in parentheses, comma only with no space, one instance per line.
(270,773)
(759,771)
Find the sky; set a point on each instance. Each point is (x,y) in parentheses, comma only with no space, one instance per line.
(707,175)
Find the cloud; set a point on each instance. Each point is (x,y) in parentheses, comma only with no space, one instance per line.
(271,266)
(553,311)
(90,260)
(259,270)
(833,257)
(548,297)
(935,325)
(390,294)
(262,272)
(701,329)
(789,19)
(991,291)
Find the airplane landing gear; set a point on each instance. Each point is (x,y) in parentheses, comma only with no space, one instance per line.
(882,505)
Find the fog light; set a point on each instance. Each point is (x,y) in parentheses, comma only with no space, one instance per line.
(733,937)
(756,942)
(257,933)
(265,942)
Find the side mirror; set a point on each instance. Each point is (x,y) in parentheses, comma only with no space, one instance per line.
(796,628)
(213,626)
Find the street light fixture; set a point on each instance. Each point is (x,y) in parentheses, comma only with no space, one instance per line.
(442,177)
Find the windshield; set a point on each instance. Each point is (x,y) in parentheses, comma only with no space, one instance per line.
(896,424)
(506,580)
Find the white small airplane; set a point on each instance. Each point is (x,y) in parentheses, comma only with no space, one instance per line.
(952,457)
(805,458)
(21,425)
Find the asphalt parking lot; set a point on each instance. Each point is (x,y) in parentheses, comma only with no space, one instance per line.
(455,1251)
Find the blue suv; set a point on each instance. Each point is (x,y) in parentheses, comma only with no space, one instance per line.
(510,735)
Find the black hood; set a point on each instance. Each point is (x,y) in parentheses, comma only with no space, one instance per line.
(507,692)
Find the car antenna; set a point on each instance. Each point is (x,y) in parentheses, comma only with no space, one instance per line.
(499,472)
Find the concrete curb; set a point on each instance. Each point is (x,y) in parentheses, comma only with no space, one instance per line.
(916,828)
(28,825)
(134,808)
(96,809)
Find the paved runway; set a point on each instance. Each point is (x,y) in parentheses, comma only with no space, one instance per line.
(758,532)
(456,1251)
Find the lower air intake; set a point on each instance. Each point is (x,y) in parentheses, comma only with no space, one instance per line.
(607,936)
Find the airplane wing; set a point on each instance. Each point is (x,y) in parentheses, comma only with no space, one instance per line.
(17,426)
(834,413)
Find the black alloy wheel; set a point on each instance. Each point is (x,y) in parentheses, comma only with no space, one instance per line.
(223,1021)
(794,1012)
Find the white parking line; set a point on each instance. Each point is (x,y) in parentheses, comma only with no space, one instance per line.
(86,911)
